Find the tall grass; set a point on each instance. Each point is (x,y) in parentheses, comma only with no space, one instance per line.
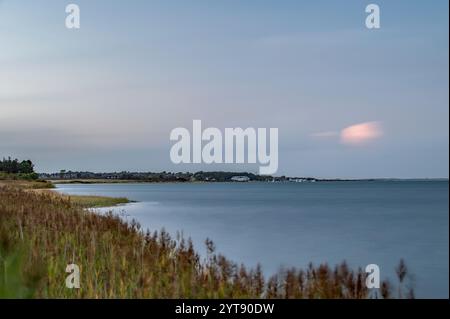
(16,181)
(41,233)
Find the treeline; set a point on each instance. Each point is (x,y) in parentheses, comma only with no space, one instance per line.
(220,176)
(157,176)
(13,168)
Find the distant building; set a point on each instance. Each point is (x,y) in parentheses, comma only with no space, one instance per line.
(240,179)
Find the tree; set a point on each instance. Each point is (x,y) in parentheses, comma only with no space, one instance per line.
(9,166)
(12,166)
(26,167)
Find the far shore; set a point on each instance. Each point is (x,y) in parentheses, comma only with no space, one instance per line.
(137,181)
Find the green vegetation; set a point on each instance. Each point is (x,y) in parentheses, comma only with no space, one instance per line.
(13,166)
(96,201)
(18,280)
(25,184)
(15,170)
(41,232)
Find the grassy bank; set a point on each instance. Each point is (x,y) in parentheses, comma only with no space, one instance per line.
(41,233)
(88,201)
(26,184)
(84,201)
(97,201)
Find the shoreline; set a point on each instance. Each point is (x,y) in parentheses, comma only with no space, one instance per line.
(92,201)
(131,181)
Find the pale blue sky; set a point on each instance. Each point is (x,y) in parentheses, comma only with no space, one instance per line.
(106,97)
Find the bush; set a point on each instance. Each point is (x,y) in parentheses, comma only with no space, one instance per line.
(29,176)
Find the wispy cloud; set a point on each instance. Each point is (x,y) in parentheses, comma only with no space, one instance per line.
(325,134)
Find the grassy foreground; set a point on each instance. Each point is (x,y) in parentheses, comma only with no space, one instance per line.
(41,233)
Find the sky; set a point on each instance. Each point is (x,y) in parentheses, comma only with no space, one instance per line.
(349,102)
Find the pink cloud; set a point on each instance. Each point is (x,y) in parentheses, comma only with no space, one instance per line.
(361,133)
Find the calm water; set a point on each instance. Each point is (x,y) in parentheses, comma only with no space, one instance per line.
(293,224)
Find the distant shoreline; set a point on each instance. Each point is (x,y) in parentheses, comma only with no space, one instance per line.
(86,177)
(132,181)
